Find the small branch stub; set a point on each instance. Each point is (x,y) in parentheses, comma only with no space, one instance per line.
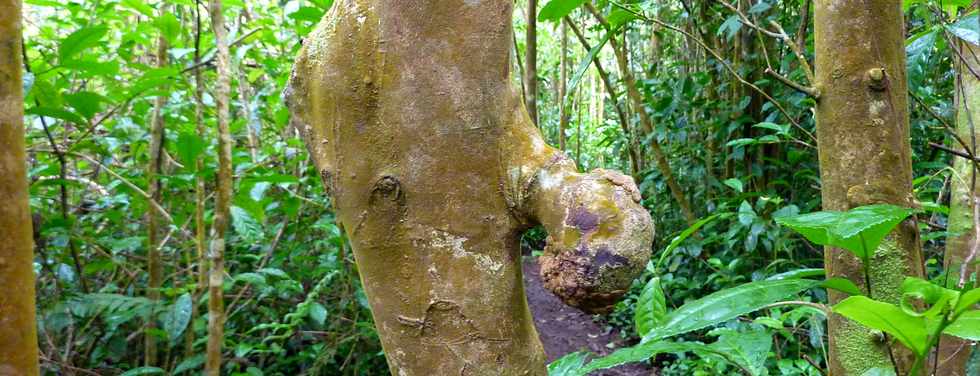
(877,79)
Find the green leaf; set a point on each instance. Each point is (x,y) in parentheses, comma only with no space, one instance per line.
(139,6)
(967,326)
(318,313)
(189,364)
(937,298)
(80,40)
(169,27)
(582,68)
(735,184)
(310,14)
(252,279)
(143,371)
(967,301)
(853,230)
(799,273)
(651,307)
(568,365)
(966,29)
(680,238)
(843,285)
(554,10)
(178,317)
(748,349)
(907,329)
(727,304)
(190,146)
(86,103)
(57,113)
(640,353)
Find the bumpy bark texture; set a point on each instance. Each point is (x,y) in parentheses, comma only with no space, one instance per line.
(865,157)
(954,352)
(18,333)
(435,169)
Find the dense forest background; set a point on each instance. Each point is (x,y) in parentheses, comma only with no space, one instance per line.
(116,87)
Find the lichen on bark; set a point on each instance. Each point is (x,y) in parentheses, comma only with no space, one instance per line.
(435,169)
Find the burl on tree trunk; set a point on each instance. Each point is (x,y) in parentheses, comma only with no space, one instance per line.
(435,169)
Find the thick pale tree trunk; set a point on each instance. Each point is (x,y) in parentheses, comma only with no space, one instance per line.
(531,61)
(222,215)
(435,169)
(961,241)
(18,331)
(865,158)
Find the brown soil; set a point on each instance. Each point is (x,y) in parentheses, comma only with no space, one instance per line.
(564,329)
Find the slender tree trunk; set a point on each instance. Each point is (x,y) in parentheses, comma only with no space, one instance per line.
(622,58)
(200,230)
(961,246)
(216,305)
(635,160)
(563,87)
(865,158)
(531,61)
(154,263)
(18,330)
(434,190)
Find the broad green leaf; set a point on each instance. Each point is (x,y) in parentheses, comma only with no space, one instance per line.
(86,103)
(252,278)
(582,68)
(554,10)
(310,14)
(139,6)
(189,364)
(966,29)
(651,307)
(749,349)
(727,304)
(935,297)
(619,17)
(318,313)
(967,326)
(800,273)
(144,371)
(859,230)
(735,184)
(967,301)
(907,329)
(169,27)
(178,317)
(56,113)
(80,40)
(190,146)
(843,285)
(640,353)
(781,129)
(568,365)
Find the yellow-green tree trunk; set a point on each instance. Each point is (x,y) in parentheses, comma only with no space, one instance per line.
(435,169)
(865,158)
(18,330)
(954,352)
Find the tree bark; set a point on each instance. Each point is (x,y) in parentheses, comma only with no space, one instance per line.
(200,228)
(531,61)
(154,265)
(216,307)
(961,242)
(18,330)
(865,158)
(435,169)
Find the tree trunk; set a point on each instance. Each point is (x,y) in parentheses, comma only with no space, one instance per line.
(216,306)
(435,169)
(865,158)
(531,61)
(157,134)
(200,234)
(961,241)
(18,331)
(633,92)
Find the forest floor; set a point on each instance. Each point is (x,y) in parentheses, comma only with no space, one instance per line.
(564,329)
